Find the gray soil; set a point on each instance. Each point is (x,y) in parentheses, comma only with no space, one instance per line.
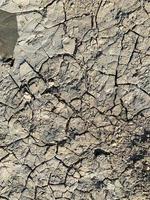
(75,100)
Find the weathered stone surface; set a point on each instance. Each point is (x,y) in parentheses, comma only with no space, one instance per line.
(75,100)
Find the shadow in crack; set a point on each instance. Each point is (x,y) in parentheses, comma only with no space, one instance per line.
(8,34)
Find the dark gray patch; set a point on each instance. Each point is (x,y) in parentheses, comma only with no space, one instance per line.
(8,34)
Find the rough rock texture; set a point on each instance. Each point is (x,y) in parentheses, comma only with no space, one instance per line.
(75,101)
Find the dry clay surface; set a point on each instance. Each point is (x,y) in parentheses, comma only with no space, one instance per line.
(75,101)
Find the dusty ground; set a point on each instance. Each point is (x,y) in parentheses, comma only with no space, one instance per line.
(75,101)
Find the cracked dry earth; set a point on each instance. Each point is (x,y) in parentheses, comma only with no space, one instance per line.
(75,100)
